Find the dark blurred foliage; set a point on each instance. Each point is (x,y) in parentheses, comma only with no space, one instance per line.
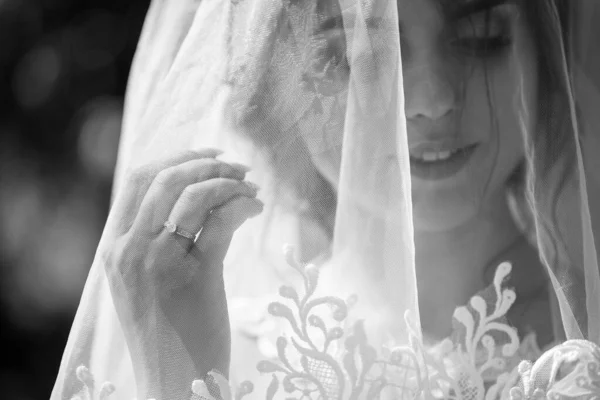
(64,66)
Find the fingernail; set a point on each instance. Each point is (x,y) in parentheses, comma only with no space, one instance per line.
(241,167)
(261,207)
(252,185)
(212,152)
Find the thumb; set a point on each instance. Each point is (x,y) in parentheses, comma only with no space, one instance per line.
(221,224)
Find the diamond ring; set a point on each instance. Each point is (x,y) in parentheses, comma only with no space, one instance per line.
(172,228)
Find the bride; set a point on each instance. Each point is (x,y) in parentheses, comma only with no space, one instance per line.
(406,148)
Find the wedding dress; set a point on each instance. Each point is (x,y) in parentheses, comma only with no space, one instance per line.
(322,286)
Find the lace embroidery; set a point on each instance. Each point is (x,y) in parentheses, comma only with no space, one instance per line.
(321,360)
(456,371)
(89,388)
(568,371)
(213,387)
(342,365)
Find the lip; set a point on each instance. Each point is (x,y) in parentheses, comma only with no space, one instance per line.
(443,169)
(418,149)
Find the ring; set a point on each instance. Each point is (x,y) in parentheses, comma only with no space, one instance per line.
(172,228)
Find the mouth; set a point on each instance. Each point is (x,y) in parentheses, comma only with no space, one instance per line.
(430,163)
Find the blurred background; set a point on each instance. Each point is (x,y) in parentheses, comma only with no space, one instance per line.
(64,67)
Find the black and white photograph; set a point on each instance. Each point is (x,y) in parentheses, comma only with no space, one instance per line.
(300,199)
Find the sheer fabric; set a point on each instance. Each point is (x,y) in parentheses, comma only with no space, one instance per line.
(324,100)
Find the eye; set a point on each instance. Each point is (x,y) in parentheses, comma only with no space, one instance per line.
(481,35)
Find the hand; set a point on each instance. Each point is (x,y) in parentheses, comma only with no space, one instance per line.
(168,290)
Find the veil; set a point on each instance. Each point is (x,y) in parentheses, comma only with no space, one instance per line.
(327,288)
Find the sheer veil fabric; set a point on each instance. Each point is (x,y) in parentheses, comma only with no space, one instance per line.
(362,123)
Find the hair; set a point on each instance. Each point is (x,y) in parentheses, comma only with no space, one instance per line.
(255,108)
(541,179)
(552,145)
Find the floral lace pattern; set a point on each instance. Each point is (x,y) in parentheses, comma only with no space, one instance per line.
(321,360)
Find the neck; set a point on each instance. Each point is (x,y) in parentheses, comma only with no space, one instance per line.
(458,258)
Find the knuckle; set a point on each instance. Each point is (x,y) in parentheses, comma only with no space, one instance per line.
(207,152)
(209,162)
(223,167)
(221,192)
(182,156)
(225,212)
(226,170)
(166,177)
(192,193)
(225,183)
(188,153)
(232,189)
(209,166)
(238,203)
(215,185)
(139,176)
(218,216)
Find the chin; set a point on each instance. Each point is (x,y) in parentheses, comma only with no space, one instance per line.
(443,214)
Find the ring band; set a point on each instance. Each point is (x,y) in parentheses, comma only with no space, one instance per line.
(172,228)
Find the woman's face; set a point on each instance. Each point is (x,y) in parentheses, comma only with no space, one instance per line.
(469,73)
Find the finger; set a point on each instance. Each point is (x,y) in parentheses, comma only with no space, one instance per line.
(133,190)
(221,224)
(169,184)
(197,200)
(142,177)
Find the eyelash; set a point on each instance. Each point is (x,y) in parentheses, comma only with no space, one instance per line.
(487,44)
(482,47)
(329,59)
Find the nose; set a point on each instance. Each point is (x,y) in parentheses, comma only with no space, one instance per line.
(429,88)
